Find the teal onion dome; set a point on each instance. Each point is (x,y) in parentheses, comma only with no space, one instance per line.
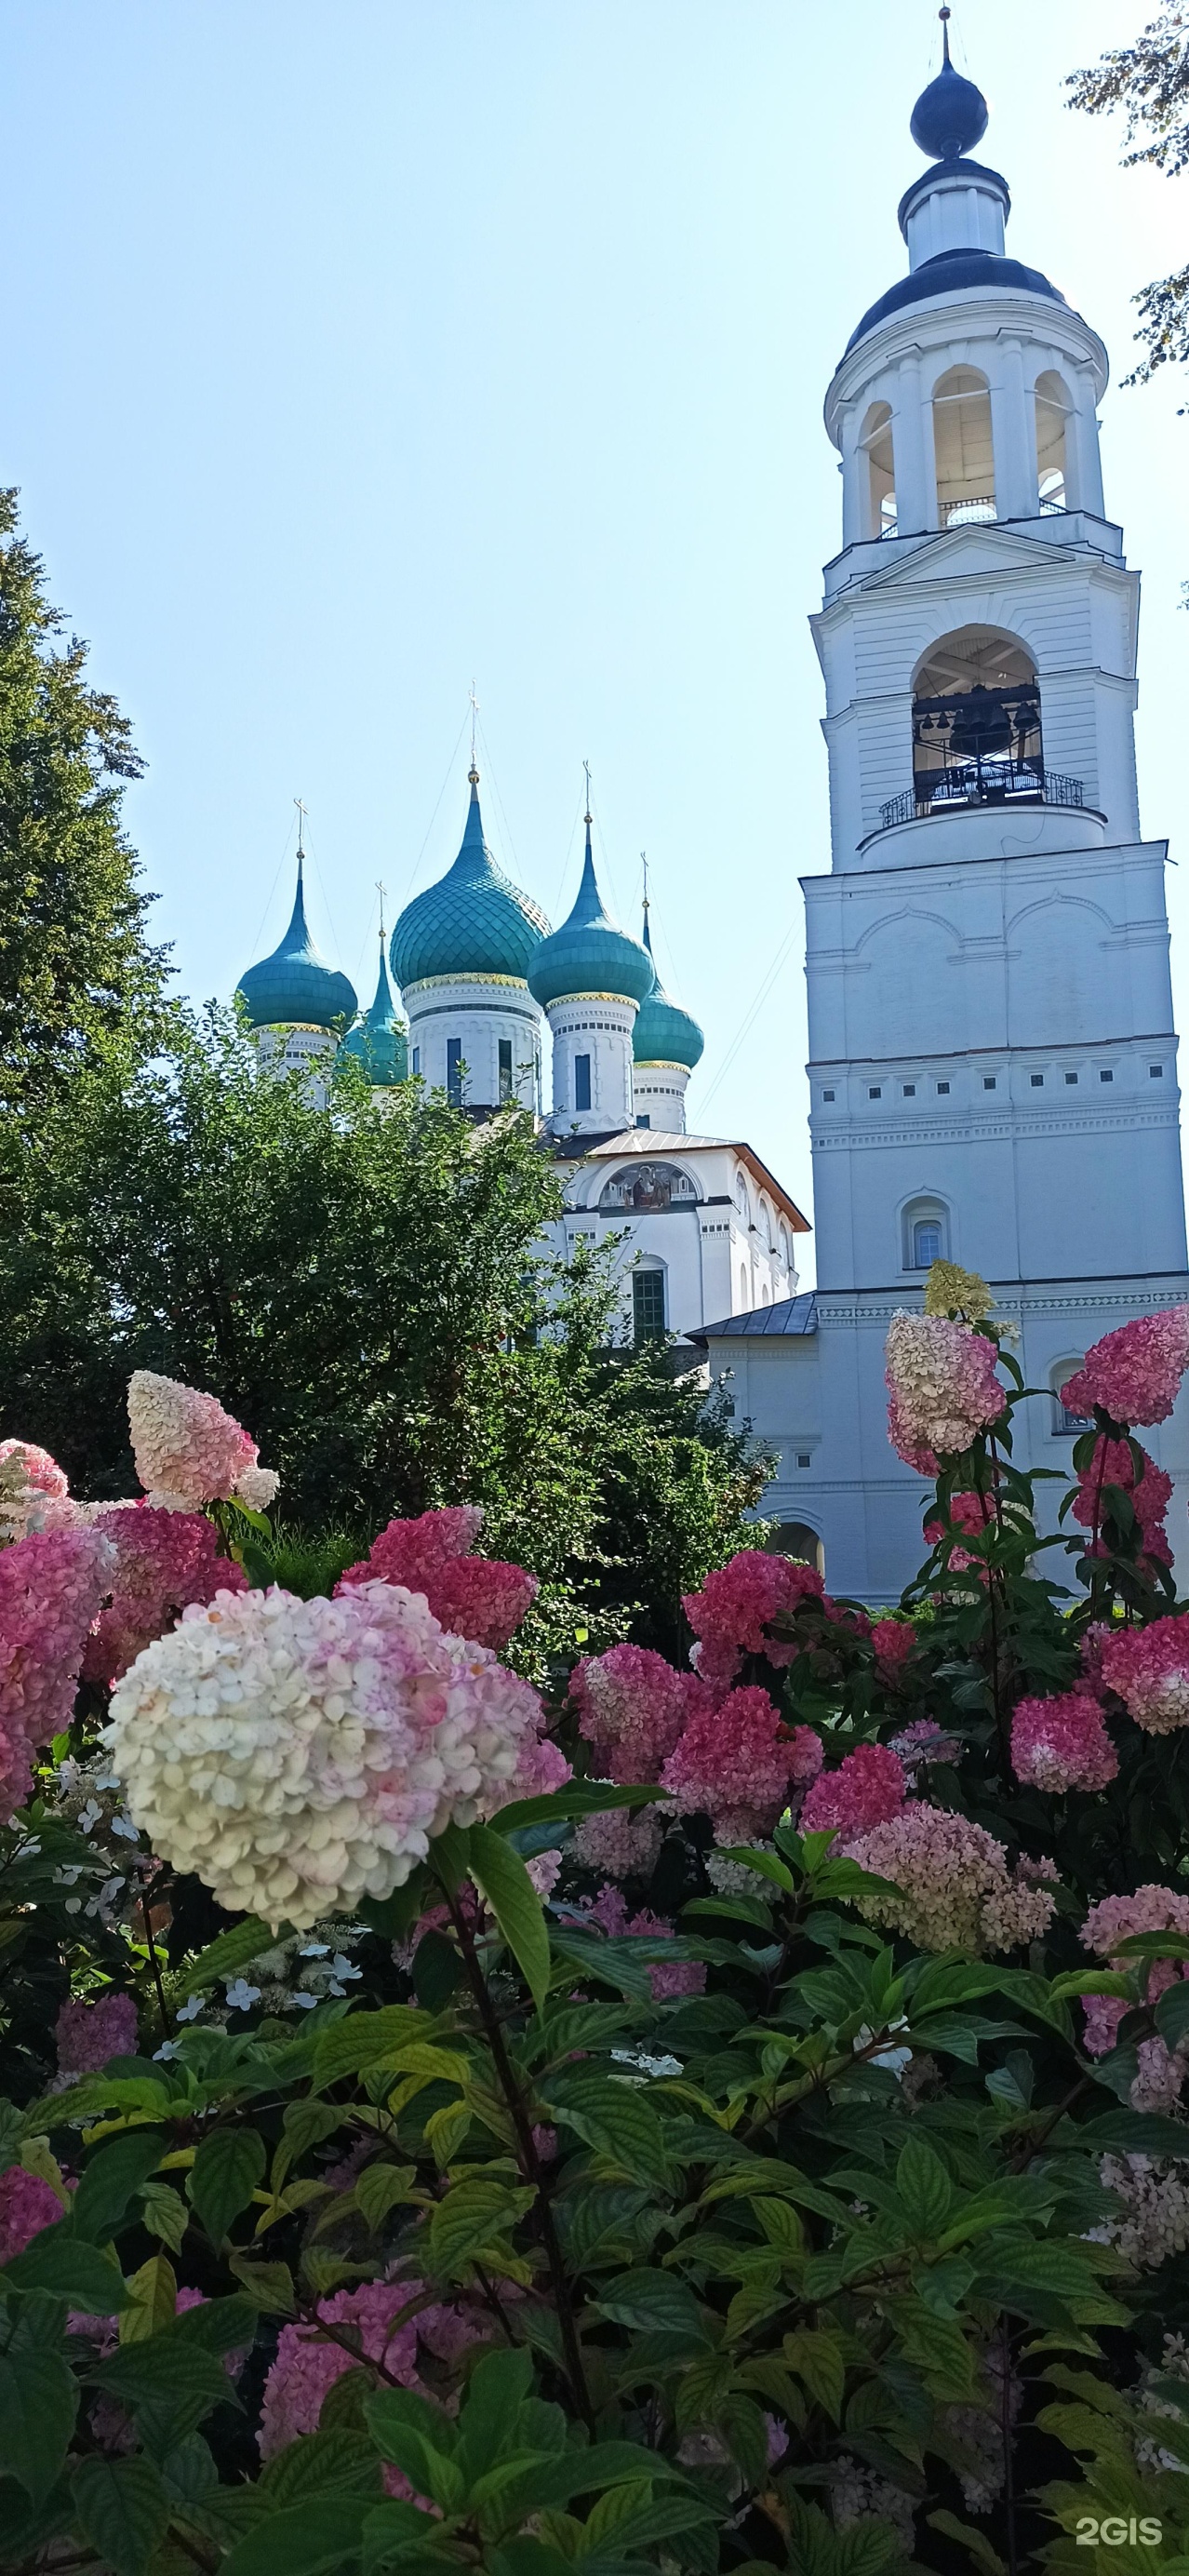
(380,1043)
(474,921)
(664,1033)
(295,984)
(588,954)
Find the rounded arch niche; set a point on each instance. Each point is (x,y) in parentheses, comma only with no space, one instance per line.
(976,733)
(798,1540)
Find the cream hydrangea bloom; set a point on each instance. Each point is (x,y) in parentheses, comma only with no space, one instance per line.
(298,1755)
(188,1451)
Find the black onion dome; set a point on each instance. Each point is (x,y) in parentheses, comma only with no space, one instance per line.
(949,273)
(950,116)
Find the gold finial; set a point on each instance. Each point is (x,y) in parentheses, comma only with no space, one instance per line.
(473,772)
(587,818)
(301,850)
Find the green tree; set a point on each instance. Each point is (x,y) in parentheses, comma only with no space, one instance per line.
(363,1286)
(74,962)
(1149,82)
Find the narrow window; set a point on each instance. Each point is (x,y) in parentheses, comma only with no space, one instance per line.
(1052,411)
(1071,1077)
(643,1120)
(582,1082)
(1106,1076)
(1155,1073)
(804,1458)
(1037,1081)
(943,1087)
(416,1059)
(910,1091)
(962,446)
(926,1242)
(454,1071)
(876,444)
(648,1303)
(875,1091)
(827,1095)
(505,1047)
(988,1082)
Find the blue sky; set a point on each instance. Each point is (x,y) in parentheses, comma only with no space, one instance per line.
(355,351)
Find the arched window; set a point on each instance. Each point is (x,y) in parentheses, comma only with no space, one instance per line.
(1065,1423)
(1053,408)
(925,1233)
(962,447)
(796,1539)
(648,1302)
(976,723)
(744,1293)
(785,1254)
(742,1201)
(875,441)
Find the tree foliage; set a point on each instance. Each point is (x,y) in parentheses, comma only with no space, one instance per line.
(75,968)
(1149,82)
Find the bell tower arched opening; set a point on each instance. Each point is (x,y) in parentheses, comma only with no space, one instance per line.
(1053,410)
(976,735)
(963,447)
(875,441)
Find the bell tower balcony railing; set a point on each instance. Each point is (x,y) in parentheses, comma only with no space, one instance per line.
(997,780)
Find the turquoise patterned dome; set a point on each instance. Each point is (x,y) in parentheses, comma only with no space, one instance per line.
(295,984)
(664,1033)
(588,954)
(473,922)
(380,1043)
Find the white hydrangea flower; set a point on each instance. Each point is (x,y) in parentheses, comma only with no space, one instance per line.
(258,1487)
(298,1755)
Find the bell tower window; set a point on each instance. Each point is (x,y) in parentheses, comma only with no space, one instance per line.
(582,1082)
(976,723)
(1053,408)
(962,447)
(876,444)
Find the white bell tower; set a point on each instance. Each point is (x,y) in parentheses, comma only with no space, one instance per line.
(993,1061)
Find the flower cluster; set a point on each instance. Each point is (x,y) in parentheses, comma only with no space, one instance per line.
(51,1585)
(88,2034)
(924,1742)
(34,1494)
(1148,1668)
(950,1290)
(632,1707)
(894,1643)
(1149,1493)
(953,1886)
(1154,2223)
(732,1614)
(685,1977)
(1133,1374)
(27,2204)
(973,1513)
(307,2364)
(942,1385)
(867,1788)
(737,1764)
(1062,1743)
(299,1754)
(620,1841)
(474,1596)
(189,1451)
(164,1560)
(1119,1918)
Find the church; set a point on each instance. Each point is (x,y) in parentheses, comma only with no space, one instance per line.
(993,1064)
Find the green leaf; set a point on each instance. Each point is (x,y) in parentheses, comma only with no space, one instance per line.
(363,2040)
(123,2507)
(333,2463)
(223,2177)
(381,2188)
(653,2301)
(613,2118)
(819,2360)
(1172,2013)
(616,1963)
(63,2263)
(470,2218)
(765,1863)
(421,2440)
(437,1971)
(164,2214)
(320,2532)
(398,2535)
(578,1798)
(111,2180)
(923,2188)
(502,1879)
(233,1950)
(153,2292)
(269,2286)
(974,2542)
(495,2394)
(38,2405)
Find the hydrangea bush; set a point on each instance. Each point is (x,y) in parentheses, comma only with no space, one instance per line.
(718,2116)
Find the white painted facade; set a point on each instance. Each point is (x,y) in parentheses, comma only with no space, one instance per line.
(458,1025)
(993,1065)
(596,1027)
(701,1216)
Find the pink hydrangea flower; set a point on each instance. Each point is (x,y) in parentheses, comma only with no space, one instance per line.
(736,1764)
(732,1614)
(943,1384)
(34,1494)
(1118,1918)
(971,1512)
(924,1742)
(1062,1743)
(88,2034)
(632,1707)
(305,2369)
(894,1642)
(1133,1374)
(27,2204)
(163,1561)
(187,1449)
(1150,1494)
(868,1787)
(477,1597)
(954,1888)
(1149,1669)
(51,1585)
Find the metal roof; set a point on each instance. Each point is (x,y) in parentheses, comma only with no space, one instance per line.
(788,1315)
